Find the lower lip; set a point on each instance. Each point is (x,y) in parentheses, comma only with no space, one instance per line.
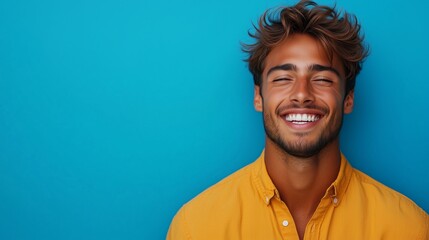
(301,125)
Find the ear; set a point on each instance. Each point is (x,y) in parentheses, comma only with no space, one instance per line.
(257,99)
(348,102)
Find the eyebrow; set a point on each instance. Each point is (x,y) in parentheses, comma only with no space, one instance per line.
(313,67)
(284,67)
(320,68)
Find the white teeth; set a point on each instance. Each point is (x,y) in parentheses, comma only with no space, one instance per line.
(301,118)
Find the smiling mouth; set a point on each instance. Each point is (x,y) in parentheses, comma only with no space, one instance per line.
(300,119)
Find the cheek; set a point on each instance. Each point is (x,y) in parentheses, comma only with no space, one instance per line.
(276,95)
(330,93)
(272,101)
(332,99)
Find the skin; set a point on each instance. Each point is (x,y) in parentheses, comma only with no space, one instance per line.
(302,158)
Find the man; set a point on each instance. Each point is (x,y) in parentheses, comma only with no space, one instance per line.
(304,63)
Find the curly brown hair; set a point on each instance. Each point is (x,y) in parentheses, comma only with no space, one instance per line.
(338,33)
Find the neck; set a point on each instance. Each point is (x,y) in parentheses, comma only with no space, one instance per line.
(302,182)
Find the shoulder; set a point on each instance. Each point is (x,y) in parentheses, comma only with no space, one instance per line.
(386,207)
(215,207)
(378,192)
(225,192)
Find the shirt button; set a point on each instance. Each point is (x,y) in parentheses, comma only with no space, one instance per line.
(335,200)
(285,223)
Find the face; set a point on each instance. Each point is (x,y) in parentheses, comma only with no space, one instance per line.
(302,97)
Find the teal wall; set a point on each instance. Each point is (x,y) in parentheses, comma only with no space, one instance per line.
(115,113)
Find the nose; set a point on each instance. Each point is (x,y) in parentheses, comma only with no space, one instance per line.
(302,92)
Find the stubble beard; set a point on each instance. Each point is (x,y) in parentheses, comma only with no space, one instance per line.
(301,148)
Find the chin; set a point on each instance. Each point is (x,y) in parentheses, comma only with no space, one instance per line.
(302,151)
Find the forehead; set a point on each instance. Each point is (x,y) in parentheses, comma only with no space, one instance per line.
(301,50)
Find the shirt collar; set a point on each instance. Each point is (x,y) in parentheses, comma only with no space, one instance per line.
(262,180)
(338,188)
(267,190)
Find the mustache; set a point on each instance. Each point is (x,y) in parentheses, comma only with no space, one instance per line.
(284,108)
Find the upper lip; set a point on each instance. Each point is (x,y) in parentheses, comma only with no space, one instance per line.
(310,111)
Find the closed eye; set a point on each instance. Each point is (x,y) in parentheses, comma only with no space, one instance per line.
(282,79)
(323,81)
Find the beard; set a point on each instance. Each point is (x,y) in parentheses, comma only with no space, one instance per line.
(301,148)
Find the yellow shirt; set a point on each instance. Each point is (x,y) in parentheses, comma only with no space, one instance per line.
(246,205)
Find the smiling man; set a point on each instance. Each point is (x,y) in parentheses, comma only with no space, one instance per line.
(304,63)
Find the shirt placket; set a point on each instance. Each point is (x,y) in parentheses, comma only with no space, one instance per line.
(284,220)
(313,228)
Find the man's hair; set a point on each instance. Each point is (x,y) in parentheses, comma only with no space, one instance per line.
(338,34)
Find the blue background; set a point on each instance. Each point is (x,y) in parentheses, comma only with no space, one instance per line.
(115,113)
